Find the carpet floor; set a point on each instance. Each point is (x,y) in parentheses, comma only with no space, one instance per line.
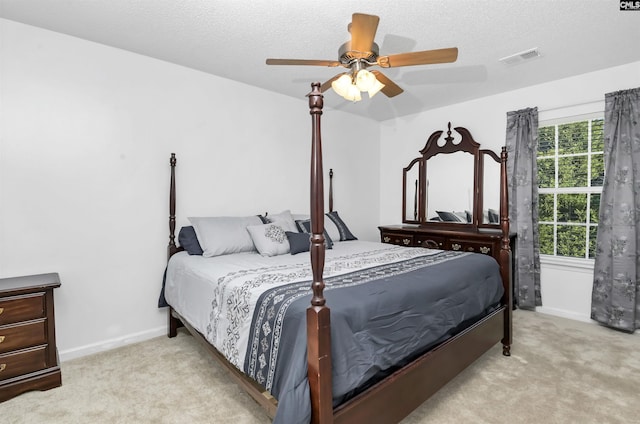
(560,371)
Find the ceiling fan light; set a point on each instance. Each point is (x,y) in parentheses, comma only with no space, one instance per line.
(341,85)
(353,94)
(365,80)
(377,86)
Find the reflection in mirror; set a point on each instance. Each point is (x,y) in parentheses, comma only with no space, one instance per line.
(411,192)
(491,191)
(449,187)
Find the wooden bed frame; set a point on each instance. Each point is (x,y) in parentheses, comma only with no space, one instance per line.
(395,397)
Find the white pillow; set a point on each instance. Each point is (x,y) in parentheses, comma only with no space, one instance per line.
(269,239)
(283,219)
(224,234)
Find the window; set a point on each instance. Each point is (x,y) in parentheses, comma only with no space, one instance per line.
(570,176)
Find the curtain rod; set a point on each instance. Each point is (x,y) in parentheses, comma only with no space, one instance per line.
(573,105)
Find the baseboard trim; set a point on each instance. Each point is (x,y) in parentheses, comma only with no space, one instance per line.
(565,314)
(69,354)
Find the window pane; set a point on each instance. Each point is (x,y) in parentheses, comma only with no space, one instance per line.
(594,209)
(593,234)
(546,141)
(572,171)
(546,173)
(546,239)
(545,207)
(597,138)
(572,240)
(597,170)
(573,137)
(572,208)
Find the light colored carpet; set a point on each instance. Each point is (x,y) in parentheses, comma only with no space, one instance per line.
(560,371)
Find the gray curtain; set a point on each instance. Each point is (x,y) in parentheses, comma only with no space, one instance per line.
(522,172)
(615,299)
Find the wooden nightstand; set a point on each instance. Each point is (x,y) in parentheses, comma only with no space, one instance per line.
(28,353)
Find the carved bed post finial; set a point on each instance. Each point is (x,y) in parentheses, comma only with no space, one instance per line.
(331,190)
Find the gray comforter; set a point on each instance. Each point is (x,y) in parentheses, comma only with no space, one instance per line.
(380,317)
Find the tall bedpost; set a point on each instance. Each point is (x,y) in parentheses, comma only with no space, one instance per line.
(318,314)
(171,249)
(505,254)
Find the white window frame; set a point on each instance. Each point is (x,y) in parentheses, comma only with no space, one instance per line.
(573,261)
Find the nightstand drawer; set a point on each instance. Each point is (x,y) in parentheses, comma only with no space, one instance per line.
(21,308)
(399,239)
(19,336)
(23,362)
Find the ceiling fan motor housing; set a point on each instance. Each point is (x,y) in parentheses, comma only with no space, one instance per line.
(348,56)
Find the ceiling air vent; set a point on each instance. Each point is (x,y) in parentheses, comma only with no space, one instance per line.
(520,57)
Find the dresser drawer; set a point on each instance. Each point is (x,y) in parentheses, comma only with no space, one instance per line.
(472,246)
(431,242)
(22,335)
(21,308)
(23,362)
(397,238)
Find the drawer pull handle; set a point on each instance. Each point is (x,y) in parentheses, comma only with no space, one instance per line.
(471,249)
(484,249)
(2,367)
(455,246)
(406,241)
(2,338)
(387,239)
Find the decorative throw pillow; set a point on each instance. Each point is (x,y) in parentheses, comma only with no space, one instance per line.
(301,242)
(283,219)
(298,242)
(305,227)
(189,241)
(343,230)
(269,239)
(224,234)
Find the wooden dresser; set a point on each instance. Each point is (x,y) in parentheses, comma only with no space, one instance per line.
(483,240)
(28,354)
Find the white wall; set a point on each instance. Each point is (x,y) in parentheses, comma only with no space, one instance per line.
(566,290)
(85,137)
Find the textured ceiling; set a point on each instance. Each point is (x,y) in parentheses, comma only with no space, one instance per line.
(232,39)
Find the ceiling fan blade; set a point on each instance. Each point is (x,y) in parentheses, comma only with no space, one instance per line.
(363,30)
(419,58)
(331,63)
(390,89)
(327,84)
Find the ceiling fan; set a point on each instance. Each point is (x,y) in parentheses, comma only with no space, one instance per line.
(362,52)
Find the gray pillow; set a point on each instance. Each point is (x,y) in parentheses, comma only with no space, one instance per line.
(189,241)
(224,234)
(298,242)
(305,228)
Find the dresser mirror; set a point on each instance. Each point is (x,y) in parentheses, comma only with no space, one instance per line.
(453,183)
(446,174)
(491,191)
(411,178)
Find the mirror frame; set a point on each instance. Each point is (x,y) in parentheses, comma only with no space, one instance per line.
(467,144)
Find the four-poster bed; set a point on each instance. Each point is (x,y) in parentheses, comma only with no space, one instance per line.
(392,393)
